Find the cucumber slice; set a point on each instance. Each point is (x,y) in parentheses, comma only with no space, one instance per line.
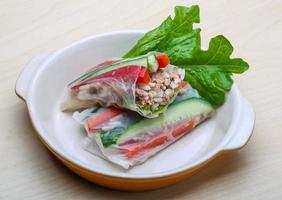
(139,61)
(153,64)
(175,113)
(149,61)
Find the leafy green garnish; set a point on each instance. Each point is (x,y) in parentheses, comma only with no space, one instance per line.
(179,26)
(180,49)
(210,71)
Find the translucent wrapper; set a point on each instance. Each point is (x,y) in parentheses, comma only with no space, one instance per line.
(118,88)
(127,139)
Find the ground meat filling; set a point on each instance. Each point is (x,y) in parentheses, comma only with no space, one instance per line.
(163,86)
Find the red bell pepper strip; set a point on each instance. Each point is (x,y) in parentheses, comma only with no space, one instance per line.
(93,122)
(183,128)
(183,84)
(144,76)
(130,72)
(163,60)
(160,139)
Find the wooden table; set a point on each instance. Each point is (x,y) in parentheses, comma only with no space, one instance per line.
(29,28)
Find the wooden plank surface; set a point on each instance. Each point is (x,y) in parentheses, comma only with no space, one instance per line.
(30,27)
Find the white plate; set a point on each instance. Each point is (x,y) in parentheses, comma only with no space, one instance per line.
(44,80)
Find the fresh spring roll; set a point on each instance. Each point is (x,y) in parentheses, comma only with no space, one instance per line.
(145,84)
(127,139)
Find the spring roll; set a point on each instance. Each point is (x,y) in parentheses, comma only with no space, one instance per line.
(146,85)
(127,139)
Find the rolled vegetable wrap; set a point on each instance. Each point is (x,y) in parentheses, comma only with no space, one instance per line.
(146,84)
(128,139)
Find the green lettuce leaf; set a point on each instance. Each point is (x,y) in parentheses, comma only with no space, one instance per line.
(218,53)
(180,49)
(180,25)
(209,72)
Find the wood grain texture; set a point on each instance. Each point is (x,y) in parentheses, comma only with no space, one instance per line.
(30,27)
